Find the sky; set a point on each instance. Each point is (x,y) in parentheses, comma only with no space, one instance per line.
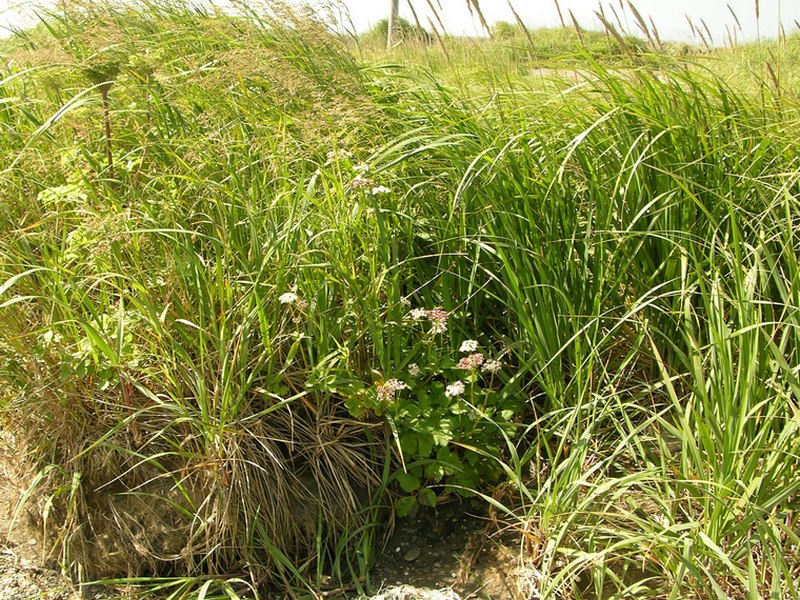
(669,16)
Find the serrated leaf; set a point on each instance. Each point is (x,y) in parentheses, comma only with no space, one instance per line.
(440,438)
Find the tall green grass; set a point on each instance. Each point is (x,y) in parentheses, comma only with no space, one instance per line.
(192,339)
(626,229)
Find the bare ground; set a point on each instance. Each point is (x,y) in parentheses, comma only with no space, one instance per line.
(23,573)
(447,553)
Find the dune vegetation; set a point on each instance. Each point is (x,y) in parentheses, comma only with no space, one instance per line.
(264,288)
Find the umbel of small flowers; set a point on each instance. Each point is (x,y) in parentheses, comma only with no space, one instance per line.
(361,182)
(468,346)
(417,314)
(388,389)
(473,361)
(437,317)
(491,366)
(455,389)
(292,298)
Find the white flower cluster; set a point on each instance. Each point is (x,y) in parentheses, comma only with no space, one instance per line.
(437,317)
(340,154)
(455,389)
(491,366)
(468,346)
(292,298)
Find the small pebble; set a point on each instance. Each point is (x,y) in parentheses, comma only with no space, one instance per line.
(412,554)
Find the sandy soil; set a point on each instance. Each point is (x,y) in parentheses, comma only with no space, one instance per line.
(452,549)
(23,573)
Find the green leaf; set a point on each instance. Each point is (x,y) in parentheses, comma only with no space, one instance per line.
(449,461)
(425,446)
(434,471)
(440,438)
(99,343)
(459,408)
(444,431)
(408,443)
(408,411)
(408,482)
(423,401)
(426,497)
(405,505)
(6,285)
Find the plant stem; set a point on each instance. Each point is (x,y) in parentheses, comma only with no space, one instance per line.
(107,120)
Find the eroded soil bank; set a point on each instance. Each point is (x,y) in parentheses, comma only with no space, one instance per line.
(446,553)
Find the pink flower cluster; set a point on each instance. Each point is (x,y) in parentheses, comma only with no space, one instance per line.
(437,316)
(388,389)
(360,182)
(473,361)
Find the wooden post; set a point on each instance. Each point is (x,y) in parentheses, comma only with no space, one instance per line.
(394,7)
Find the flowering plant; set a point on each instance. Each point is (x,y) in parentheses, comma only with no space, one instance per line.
(440,405)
